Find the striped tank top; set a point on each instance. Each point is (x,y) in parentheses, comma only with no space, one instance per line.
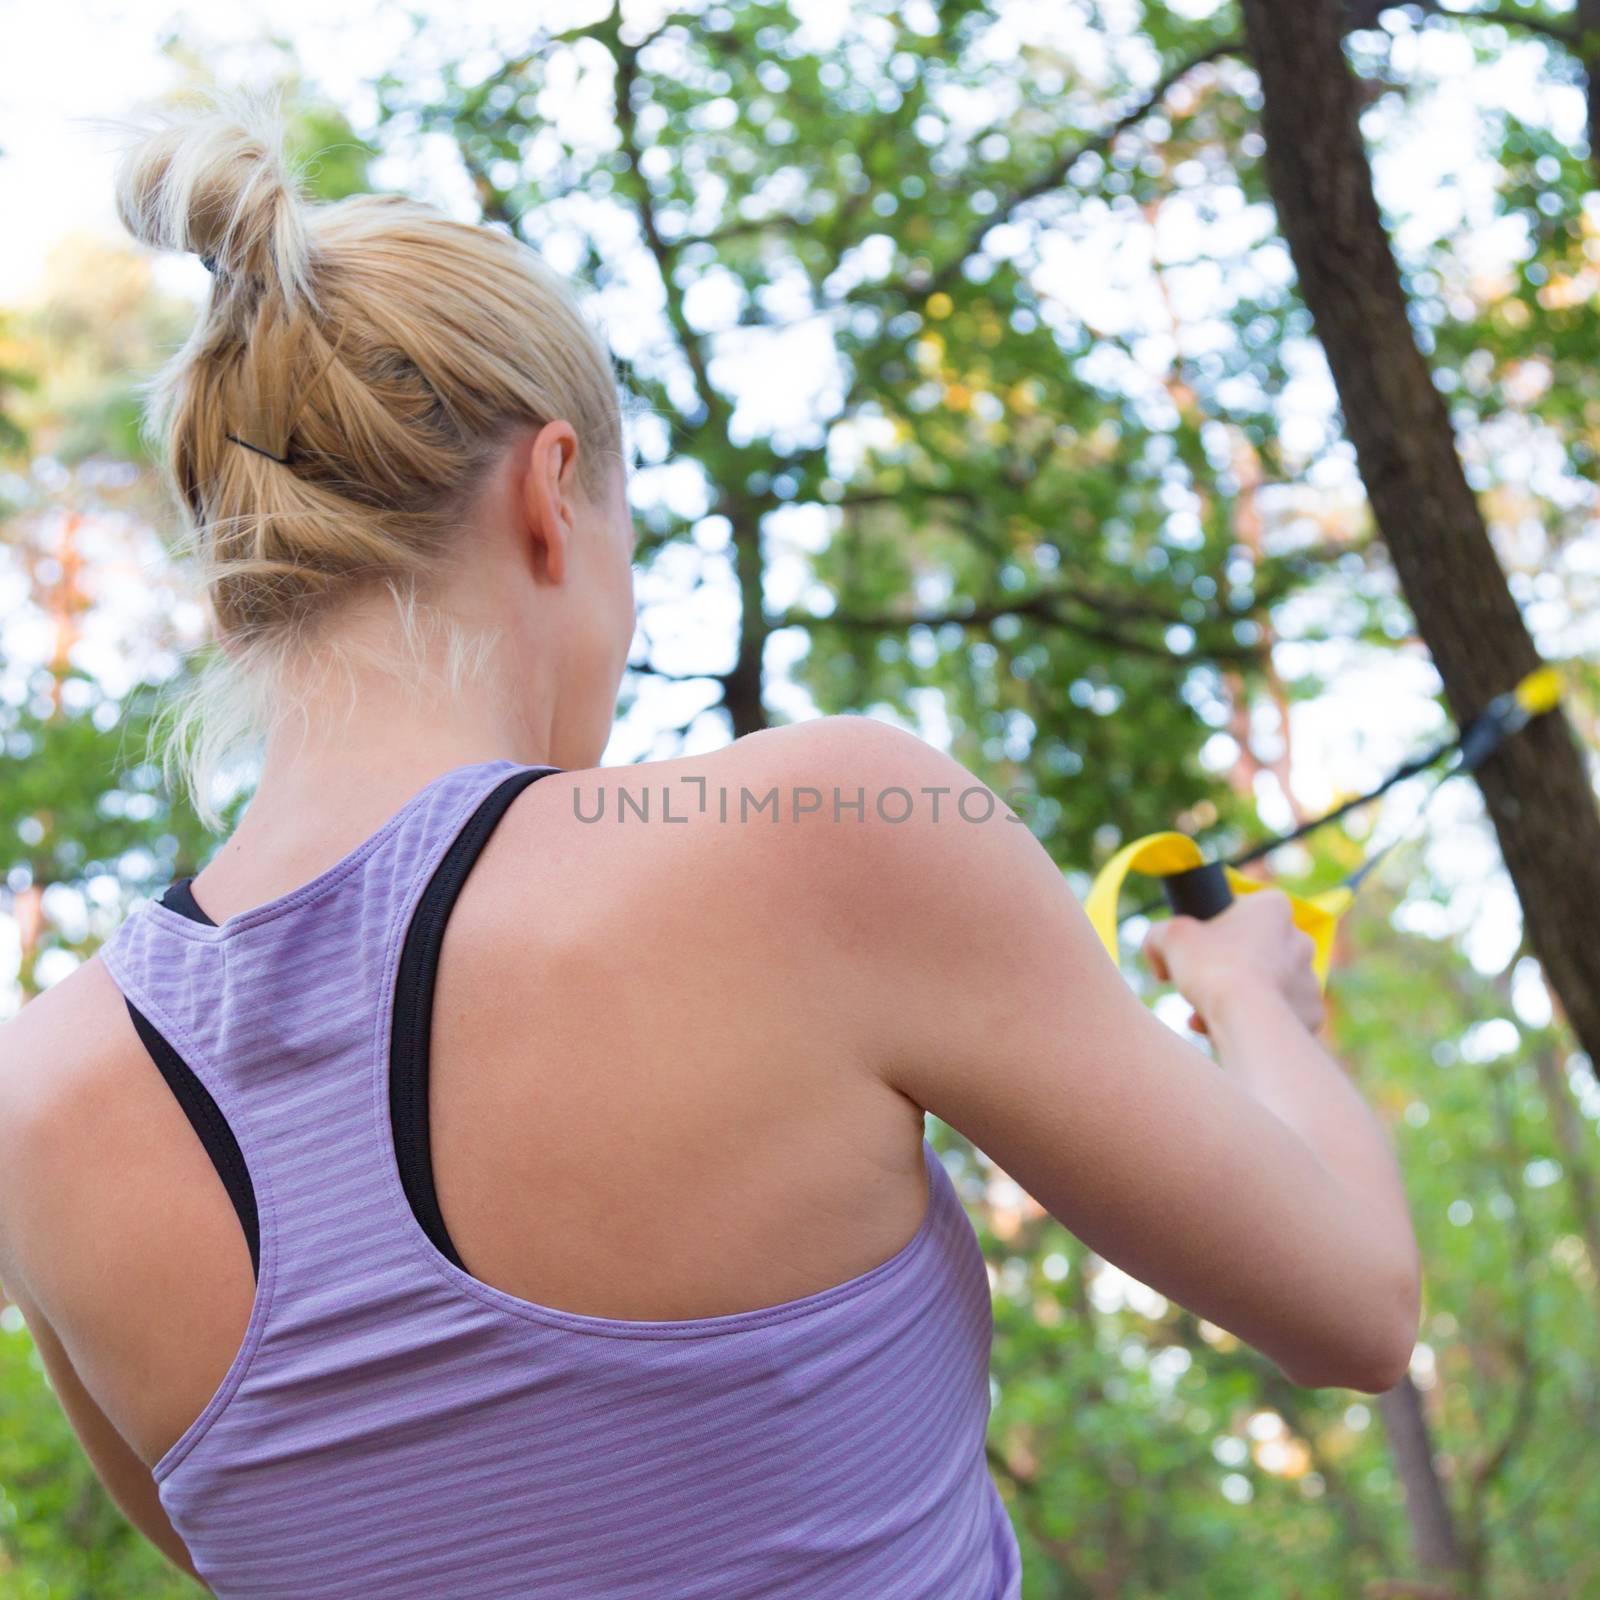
(393,1426)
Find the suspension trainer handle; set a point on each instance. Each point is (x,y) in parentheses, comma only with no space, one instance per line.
(1201,892)
(1196,887)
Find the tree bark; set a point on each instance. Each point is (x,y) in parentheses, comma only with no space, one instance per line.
(1573,1140)
(1437,1545)
(1589,55)
(1537,789)
(1434,1541)
(742,688)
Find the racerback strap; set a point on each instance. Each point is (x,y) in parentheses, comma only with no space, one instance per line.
(409,1041)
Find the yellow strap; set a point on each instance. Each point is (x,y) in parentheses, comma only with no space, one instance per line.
(1540,691)
(1161,854)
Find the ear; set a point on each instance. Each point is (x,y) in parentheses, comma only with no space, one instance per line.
(549,497)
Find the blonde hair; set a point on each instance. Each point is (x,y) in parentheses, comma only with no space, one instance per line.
(369,358)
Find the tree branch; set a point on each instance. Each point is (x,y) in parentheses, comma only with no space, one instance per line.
(643,669)
(1519,1345)
(742,686)
(1044,608)
(627,59)
(1364,14)
(1055,175)
(491,201)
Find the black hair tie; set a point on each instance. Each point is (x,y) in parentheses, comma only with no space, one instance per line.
(282,461)
(209,263)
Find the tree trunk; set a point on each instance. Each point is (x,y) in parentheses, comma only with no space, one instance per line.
(1589,55)
(1537,789)
(1573,1140)
(1434,1542)
(742,696)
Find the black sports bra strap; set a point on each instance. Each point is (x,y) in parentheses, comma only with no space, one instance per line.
(209,1123)
(180,897)
(413,1007)
(195,1099)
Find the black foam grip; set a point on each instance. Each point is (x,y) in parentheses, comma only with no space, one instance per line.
(1200,892)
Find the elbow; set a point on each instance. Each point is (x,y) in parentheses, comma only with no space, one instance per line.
(1371,1356)
(1374,1371)
(1373,1367)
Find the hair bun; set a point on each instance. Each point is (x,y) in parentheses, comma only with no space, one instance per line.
(213,180)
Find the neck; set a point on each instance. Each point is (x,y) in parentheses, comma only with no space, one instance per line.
(369,738)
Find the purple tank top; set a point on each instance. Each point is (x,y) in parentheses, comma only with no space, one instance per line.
(393,1427)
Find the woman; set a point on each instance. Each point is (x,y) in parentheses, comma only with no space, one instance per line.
(490,1176)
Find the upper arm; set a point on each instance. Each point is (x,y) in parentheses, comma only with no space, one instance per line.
(126,1478)
(978,988)
(23,1105)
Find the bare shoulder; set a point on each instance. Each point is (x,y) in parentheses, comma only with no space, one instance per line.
(114,1225)
(63,1061)
(728,876)
(843,788)
(93,1148)
(53,1056)
(842,751)
(797,818)
(835,855)
(848,752)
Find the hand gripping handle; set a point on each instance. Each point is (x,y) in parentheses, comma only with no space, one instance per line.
(1197,888)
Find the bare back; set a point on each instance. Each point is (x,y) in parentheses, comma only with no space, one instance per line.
(642,1105)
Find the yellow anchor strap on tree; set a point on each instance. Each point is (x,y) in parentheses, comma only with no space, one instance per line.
(1163,854)
(1203,889)
(1540,691)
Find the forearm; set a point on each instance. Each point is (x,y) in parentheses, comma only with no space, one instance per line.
(1263,1045)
